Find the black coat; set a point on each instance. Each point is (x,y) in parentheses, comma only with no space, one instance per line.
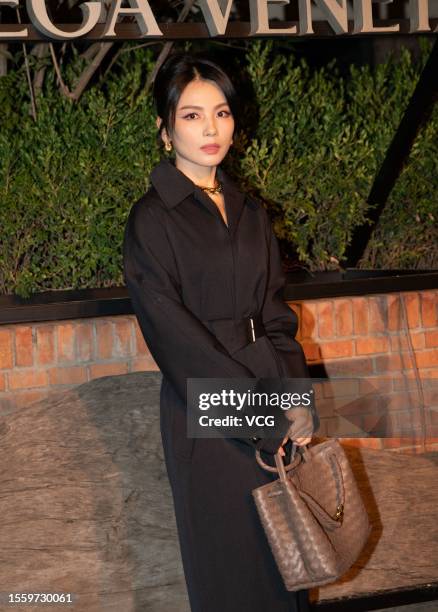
(184,268)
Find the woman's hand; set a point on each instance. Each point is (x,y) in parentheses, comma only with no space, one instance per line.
(301,429)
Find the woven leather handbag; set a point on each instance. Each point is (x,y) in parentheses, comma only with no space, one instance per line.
(313,515)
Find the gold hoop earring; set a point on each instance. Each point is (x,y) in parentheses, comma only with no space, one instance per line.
(168,146)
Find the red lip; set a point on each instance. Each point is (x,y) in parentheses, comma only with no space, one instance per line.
(210,148)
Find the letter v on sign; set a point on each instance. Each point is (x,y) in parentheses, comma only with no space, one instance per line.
(215,20)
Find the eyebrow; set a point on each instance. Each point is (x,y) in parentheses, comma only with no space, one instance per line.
(201,107)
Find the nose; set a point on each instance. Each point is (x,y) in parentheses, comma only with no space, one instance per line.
(210,126)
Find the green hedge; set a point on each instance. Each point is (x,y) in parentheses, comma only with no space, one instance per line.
(319,144)
(68,180)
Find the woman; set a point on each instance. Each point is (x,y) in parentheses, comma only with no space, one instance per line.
(200,261)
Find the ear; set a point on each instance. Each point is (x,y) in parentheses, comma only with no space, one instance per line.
(163,134)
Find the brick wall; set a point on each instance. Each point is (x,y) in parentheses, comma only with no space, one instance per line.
(391,340)
(372,336)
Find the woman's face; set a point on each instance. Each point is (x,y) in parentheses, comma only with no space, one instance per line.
(203,117)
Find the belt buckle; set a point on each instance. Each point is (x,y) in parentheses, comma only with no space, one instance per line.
(251,323)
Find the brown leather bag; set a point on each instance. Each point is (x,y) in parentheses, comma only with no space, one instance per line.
(313,515)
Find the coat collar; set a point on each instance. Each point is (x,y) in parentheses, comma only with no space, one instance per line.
(173,186)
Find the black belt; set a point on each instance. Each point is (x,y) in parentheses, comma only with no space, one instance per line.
(234,334)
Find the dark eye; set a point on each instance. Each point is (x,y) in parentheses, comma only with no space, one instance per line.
(227,113)
(189,115)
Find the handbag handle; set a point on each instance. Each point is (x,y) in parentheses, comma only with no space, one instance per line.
(292,464)
(330,522)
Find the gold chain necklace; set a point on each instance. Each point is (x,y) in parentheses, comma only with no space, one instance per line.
(212,190)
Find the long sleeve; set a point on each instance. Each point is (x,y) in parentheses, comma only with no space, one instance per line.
(281,322)
(178,341)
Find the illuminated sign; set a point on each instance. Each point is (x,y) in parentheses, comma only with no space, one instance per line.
(216,13)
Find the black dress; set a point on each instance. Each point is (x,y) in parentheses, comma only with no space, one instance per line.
(185,270)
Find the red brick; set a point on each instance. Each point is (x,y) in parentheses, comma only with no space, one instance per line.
(311,351)
(431,339)
(394,312)
(377,306)
(98,370)
(308,320)
(403,362)
(400,342)
(2,382)
(45,345)
(123,337)
(429,308)
(141,347)
(378,383)
(360,315)
(427,358)
(70,375)
(66,341)
(26,379)
(6,361)
(339,348)
(418,340)
(344,389)
(407,381)
(144,364)
(410,417)
(429,374)
(391,363)
(371,345)
(431,401)
(23,399)
(104,339)
(84,337)
(404,400)
(357,366)
(23,346)
(325,319)
(412,304)
(343,317)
